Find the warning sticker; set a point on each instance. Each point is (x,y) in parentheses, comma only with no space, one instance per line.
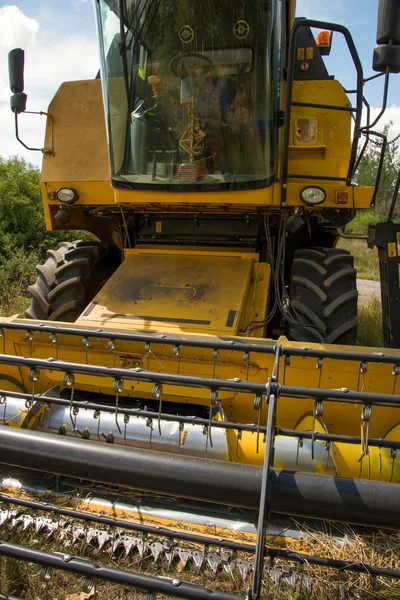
(392,250)
(309,53)
(304,66)
(300,54)
(158,226)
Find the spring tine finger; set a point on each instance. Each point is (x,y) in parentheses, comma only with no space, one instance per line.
(118,388)
(3,400)
(157,394)
(328,450)
(112,347)
(180,434)
(395,373)
(29,337)
(148,351)
(97,415)
(86,345)
(246,359)
(33,376)
(69,381)
(286,363)
(149,423)
(177,352)
(365,417)
(393,456)
(319,367)
(318,411)
(361,373)
(299,445)
(238,438)
(258,406)
(126,421)
(213,404)
(215,358)
(53,339)
(3,337)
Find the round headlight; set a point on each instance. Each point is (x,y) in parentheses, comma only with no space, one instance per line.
(313,195)
(67,195)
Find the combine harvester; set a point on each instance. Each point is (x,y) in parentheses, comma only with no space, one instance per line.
(197,363)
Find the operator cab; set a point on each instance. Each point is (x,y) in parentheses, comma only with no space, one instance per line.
(191,90)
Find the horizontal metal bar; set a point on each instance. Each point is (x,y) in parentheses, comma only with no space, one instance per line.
(146,583)
(134,412)
(212,344)
(326,106)
(128,525)
(201,539)
(138,374)
(303,494)
(333,437)
(373,357)
(341,395)
(215,343)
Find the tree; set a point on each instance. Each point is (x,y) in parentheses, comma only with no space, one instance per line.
(368,168)
(23,236)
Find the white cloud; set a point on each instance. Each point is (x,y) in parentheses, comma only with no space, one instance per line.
(392,113)
(51,57)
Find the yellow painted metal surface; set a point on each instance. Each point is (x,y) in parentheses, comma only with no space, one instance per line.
(330,153)
(80,157)
(79,135)
(178,290)
(292,413)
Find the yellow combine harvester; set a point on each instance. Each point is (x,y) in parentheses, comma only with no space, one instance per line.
(202,350)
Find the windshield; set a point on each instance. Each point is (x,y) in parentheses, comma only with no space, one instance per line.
(191,91)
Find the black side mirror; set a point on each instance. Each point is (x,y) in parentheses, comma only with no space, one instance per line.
(388,22)
(16,59)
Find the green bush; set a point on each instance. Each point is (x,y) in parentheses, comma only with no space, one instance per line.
(23,236)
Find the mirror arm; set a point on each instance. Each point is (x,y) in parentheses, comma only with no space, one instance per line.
(44,150)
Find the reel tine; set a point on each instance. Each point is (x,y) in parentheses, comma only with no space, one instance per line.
(33,376)
(395,373)
(393,456)
(118,388)
(29,337)
(319,367)
(213,404)
(215,358)
(69,381)
(86,345)
(177,352)
(3,400)
(97,415)
(149,423)
(318,412)
(366,412)
(3,337)
(112,347)
(246,359)
(157,394)
(126,421)
(361,373)
(258,406)
(238,438)
(53,339)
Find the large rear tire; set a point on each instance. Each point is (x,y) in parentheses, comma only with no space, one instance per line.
(69,279)
(323,295)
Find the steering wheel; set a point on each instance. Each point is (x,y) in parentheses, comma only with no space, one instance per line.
(182,67)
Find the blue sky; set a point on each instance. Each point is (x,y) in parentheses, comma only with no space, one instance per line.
(60,42)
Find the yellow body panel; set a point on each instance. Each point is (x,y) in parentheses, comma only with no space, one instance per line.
(77,113)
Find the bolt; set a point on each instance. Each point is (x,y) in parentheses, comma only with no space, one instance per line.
(176,582)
